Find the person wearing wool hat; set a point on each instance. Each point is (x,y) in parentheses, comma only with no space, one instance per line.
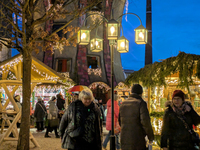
(135,121)
(178,119)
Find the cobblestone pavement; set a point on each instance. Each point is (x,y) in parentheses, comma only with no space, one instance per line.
(45,143)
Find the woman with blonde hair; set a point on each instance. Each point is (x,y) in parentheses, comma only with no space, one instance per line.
(81,124)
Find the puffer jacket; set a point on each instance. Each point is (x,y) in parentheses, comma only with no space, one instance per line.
(109,114)
(135,123)
(68,125)
(173,129)
(53,111)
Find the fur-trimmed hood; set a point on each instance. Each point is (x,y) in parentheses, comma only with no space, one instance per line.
(169,103)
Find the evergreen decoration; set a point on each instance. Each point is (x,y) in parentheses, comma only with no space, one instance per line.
(187,65)
(157,114)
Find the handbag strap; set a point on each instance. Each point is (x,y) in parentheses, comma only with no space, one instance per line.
(42,107)
(185,124)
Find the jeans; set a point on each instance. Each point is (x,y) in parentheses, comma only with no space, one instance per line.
(108,138)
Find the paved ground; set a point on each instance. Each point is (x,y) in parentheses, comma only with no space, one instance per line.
(45,143)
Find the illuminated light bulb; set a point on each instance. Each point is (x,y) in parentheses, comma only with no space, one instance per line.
(141,35)
(83,36)
(91,45)
(97,43)
(112,30)
(122,44)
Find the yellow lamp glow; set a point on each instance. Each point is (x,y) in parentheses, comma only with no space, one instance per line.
(83,36)
(112,30)
(96,44)
(122,45)
(141,34)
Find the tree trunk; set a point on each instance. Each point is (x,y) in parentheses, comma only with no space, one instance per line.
(23,141)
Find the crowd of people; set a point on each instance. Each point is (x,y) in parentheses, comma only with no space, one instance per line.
(80,125)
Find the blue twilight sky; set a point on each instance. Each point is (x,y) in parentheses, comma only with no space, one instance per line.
(175,27)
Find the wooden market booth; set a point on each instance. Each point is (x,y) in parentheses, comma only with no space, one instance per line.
(12,77)
(160,79)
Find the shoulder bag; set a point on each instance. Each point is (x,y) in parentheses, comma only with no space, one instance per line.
(194,135)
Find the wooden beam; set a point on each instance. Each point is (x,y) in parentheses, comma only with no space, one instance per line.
(33,140)
(10,139)
(10,127)
(11,82)
(43,81)
(4,75)
(10,97)
(15,71)
(12,93)
(19,71)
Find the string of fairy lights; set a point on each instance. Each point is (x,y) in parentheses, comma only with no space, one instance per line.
(96,71)
(7,66)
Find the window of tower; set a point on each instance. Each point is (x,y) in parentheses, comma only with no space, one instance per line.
(93,62)
(63,65)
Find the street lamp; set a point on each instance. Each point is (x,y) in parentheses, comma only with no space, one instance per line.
(83,36)
(141,35)
(96,45)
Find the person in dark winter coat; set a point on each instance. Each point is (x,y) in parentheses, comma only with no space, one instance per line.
(174,129)
(81,124)
(39,114)
(60,102)
(135,121)
(53,114)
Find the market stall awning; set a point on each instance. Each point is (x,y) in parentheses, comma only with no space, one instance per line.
(12,72)
(184,67)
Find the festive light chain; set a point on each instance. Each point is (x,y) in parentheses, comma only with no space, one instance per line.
(95,71)
(43,74)
(100,84)
(11,64)
(65,74)
(59,47)
(96,18)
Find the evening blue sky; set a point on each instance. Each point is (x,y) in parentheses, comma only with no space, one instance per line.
(175,27)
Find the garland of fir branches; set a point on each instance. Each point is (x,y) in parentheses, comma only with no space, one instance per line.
(154,74)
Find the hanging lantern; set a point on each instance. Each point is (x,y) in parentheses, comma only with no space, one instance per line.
(112,30)
(83,36)
(96,44)
(141,35)
(122,45)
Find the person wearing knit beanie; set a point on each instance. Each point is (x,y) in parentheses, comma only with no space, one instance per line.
(178,93)
(137,89)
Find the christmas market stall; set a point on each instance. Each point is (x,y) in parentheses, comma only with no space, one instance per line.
(162,78)
(11,85)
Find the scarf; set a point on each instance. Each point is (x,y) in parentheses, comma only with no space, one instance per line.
(181,110)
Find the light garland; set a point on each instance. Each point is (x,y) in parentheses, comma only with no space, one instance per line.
(101,85)
(121,86)
(95,71)
(96,16)
(43,74)
(65,74)
(59,47)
